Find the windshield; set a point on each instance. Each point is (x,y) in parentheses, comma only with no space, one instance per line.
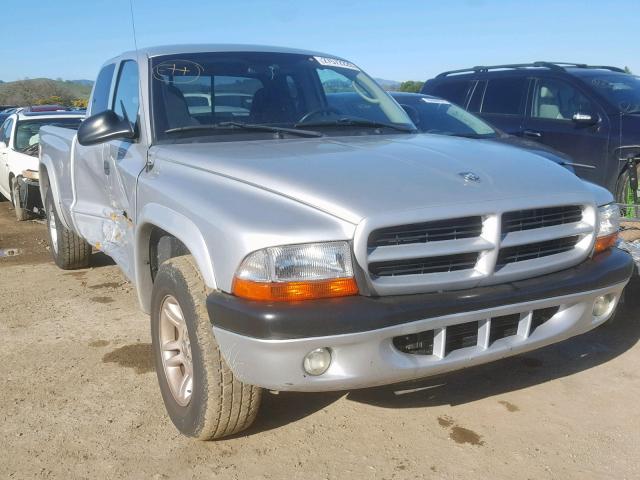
(434,115)
(623,91)
(212,96)
(28,131)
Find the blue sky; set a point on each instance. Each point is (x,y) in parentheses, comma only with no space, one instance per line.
(71,38)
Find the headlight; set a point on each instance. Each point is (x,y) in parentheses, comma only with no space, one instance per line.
(296,272)
(608,227)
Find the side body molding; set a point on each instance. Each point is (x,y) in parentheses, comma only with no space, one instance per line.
(181,227)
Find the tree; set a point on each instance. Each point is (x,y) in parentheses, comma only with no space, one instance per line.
(412,86)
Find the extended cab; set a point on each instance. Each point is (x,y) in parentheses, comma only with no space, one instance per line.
(280,242)
(19,147)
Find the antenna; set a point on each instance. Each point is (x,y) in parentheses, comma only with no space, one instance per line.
(133,26)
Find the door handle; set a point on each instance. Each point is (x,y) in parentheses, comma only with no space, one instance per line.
(532,133)
(106,167)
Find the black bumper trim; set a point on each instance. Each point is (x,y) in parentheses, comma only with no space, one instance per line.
(318,318)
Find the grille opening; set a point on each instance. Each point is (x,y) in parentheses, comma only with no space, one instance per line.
(503,326)
(541,316)
(520,220)
(461,336)
(422,266)
(438,230)
(520,253)
(416,343)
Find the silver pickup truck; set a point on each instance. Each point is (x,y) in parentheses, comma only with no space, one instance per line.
(281,242)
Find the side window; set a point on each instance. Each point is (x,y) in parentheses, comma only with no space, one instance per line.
(100,97)
(557,100)
(505,96)
(455,92)
(5,134)
(126,99)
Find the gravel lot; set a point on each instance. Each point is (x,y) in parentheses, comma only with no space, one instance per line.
(80,400)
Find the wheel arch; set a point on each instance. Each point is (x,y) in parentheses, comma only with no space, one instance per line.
(156,222)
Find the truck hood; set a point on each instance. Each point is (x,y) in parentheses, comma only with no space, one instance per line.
(355,177)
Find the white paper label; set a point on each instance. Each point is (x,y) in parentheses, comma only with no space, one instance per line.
(335,62)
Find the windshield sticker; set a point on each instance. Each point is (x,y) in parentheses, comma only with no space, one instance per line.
(335,62)
(435,100)
(178,71)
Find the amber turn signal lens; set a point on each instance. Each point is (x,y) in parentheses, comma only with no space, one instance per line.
(291,291)
(605,243)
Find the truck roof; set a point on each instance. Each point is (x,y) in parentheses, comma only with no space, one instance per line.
(214,47)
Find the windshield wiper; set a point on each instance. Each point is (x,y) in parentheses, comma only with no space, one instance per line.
(356,122)
(245,126)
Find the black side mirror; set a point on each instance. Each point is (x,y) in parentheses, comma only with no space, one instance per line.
(412,112)
(104,126)
(585,118)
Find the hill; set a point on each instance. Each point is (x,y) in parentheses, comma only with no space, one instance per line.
(44,91)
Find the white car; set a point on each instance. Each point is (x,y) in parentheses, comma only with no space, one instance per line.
(19,145)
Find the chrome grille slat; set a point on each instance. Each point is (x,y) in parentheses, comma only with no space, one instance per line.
(520,220)
(531,251)
(424,232)
(422,266)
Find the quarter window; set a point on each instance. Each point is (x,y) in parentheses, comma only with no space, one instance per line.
(100,97)
(557,100)
(126,100)
(455,92)
(505,96)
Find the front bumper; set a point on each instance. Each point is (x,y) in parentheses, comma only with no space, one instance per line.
(29,191)
(264,344)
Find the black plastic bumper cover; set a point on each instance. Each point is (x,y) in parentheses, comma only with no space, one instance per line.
(317,318)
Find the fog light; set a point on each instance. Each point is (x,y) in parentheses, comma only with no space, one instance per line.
(317,361)
(602,305)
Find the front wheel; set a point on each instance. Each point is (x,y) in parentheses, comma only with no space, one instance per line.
(69,251)
(203,398)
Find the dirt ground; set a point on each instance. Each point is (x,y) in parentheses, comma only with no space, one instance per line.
(79,399)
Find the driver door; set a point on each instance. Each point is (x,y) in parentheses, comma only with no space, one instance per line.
(550,121)
(124,160)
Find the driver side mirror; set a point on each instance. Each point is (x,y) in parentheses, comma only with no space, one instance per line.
(412,112)
(104,126)
(585,118)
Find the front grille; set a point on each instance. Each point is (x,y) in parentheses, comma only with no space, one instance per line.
(439,230)
(474,248)
(423,266)
(461,336)
(540,217)
(520,253)
(503,326)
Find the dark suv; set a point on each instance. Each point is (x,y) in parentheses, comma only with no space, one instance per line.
(591,113)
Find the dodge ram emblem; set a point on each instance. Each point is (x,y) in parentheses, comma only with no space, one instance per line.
(469,177)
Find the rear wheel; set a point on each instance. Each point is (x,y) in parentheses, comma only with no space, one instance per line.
(201,394)
(69,251)
(21,213)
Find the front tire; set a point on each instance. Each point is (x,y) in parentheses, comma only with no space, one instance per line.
(21,213)
(69,251)
(202,397)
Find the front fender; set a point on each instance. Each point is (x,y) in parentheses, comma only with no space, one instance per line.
(181,227)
